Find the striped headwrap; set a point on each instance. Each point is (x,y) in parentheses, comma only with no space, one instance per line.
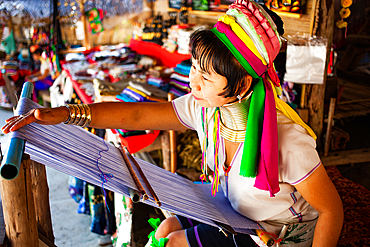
(251,36)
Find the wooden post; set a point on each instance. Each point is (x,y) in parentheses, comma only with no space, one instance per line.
(302,111)
(165,142)
(40,191)
(86,41)
(303,97)
(19,208)
(10,23)
(173,149)
(317,92)
(9,90)
(330,125)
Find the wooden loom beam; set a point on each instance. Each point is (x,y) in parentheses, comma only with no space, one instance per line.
(19,207)
(26,206)
(40,191)
(25,194)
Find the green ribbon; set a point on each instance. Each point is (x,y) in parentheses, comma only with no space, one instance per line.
(156,243)
(251,150)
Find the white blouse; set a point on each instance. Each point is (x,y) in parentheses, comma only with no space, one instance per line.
(298,158)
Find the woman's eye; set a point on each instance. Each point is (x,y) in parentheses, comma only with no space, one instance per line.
(204,78)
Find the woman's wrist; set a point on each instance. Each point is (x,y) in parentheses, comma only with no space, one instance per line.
(78,115)
(65,113)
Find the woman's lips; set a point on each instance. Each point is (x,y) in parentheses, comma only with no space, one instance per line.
(197,98)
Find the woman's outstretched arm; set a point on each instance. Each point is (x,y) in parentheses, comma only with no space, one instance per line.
(107,115)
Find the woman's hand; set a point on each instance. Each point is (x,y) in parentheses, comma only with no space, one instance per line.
(45,116)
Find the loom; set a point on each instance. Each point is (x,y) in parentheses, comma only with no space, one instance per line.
(12,160)
(74,151)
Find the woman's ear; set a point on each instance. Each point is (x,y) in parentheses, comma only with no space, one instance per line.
(247,84)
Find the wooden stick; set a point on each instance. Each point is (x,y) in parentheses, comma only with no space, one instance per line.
(143,177)
(132,172)
(330,125)
(266,238)
(303,96)
(40,191)
(173,150)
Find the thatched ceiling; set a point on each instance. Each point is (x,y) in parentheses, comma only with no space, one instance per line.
(37,9)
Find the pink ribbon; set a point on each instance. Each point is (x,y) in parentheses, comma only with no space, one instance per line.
(252,59)
(268,168)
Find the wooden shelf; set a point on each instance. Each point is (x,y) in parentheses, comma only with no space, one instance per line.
(287,14)
(220,13)
(207,13)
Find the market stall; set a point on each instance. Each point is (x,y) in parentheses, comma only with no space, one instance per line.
(105,70)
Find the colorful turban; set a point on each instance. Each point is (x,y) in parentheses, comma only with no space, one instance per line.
(33,48)
(251,36)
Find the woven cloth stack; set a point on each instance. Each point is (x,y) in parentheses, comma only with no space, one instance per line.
(179,82)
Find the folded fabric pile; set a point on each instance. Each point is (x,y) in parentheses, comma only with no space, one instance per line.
(25,65)
(10,68)
(157,81)
(159,76)
(179,82)
(139,92)
(130,94)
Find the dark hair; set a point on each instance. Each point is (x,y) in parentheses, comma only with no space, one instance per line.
(38,51)
(212,54)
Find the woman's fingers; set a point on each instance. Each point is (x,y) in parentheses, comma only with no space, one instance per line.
(45,116)
(17,122)
(10,119)
(9,124)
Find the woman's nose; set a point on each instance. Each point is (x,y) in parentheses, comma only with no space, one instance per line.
(194,81)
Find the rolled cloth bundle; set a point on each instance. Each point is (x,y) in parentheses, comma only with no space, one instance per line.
(251,35)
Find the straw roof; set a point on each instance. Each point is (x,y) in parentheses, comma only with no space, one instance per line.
(38,9)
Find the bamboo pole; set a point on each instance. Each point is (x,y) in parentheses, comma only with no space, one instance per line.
(173,150)
(40,191)
(19,208)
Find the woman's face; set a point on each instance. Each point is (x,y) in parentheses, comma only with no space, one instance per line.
(207,87)
(35,56)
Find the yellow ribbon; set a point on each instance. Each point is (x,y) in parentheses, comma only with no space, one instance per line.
(239,31)
(287,111)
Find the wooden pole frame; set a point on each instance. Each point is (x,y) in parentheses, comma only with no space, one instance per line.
(25,195)
(19,208)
